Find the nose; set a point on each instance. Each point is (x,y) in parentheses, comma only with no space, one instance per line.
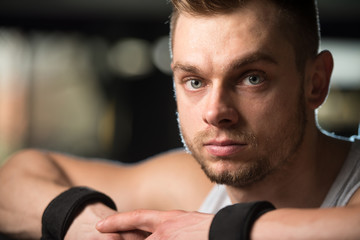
(220,110)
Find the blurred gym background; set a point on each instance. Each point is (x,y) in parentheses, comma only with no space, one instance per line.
(92,77)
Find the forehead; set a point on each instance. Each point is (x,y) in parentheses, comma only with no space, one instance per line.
(251,28)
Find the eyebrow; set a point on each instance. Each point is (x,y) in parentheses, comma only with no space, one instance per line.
(185,68)
(252,58)
(236,64)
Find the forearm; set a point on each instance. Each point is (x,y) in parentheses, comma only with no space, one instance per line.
(29,181)
(332,223)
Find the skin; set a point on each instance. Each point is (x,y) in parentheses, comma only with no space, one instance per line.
(30,179)
(228,119)
(214,100)
(305,164)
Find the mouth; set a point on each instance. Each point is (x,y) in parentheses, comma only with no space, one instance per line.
(225,148)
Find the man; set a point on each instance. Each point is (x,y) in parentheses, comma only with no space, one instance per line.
(248,79)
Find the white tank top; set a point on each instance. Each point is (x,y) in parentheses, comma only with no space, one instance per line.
(344,186)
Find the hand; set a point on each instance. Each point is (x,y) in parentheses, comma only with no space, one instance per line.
(83,226)
(161,225)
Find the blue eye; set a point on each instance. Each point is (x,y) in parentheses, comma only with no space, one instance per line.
(253,79)
(194,84)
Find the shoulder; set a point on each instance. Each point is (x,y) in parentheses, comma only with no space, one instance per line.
(345,188)
(175,160)
(170,180)
(354,172)
(176,179)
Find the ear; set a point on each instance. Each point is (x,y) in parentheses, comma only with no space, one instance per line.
(319,80)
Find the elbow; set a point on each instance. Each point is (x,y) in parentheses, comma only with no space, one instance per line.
(26,160)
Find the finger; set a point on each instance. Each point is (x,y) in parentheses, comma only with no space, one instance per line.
(145,220)
(134,235)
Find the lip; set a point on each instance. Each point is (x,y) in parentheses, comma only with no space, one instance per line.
(224,148)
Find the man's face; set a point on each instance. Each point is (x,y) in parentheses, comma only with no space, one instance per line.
(239,94)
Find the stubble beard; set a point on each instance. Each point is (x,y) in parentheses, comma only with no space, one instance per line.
(257,168)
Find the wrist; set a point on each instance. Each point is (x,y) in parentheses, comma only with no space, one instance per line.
(63,209)
(87,219)
(235,222)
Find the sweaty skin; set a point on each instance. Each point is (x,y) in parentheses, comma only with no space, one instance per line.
(243,104)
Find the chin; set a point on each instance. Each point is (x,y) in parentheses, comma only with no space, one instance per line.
(224,166)
(237,174)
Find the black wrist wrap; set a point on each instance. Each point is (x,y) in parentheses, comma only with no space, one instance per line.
(235,222)
(62,210)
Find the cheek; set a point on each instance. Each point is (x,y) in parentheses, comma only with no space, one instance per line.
(189,115)
(271,114)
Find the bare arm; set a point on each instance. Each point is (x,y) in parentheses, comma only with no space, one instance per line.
(332,223)
(326,223)
(31,179)
(28,182)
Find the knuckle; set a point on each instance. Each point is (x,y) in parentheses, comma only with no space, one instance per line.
(137,214)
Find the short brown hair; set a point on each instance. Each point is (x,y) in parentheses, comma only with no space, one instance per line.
(299,21)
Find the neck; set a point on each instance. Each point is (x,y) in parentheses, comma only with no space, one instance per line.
(305,180)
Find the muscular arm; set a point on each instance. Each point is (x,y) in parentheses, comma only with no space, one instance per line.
(332,223)
(286,223)
(325,223)
(31,179)
(28,182)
